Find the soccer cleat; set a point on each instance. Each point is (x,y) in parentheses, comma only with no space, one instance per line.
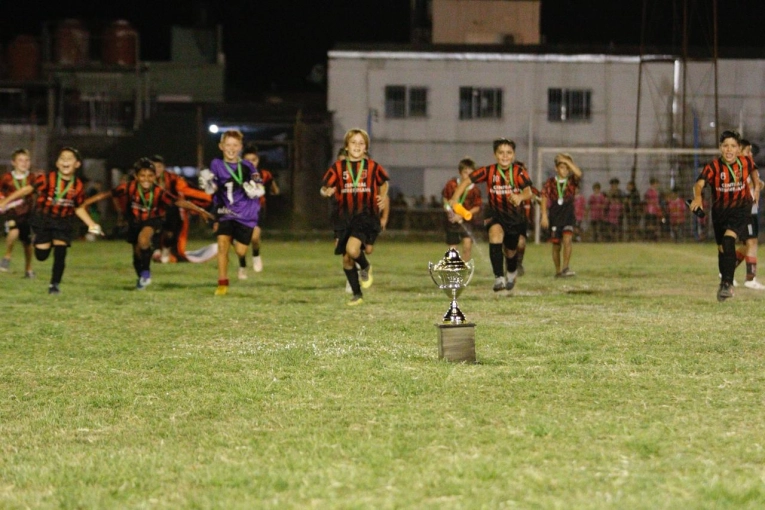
(357,299)
(242,273)
(735,283)
(348,289)
(139,285)
(521,270)
(29,274)
(365,276)
(567,272)
(510,278)
(754,284)
(724,292)
(257,264)
(499,284)
(222,290)
(145,279)
(53,289)
(5,265)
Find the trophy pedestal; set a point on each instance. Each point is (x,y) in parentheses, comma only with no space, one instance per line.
(456,342)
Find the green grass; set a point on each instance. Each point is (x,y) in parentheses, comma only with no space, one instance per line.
(628,386)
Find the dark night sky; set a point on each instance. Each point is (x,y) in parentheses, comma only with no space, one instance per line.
(273,44)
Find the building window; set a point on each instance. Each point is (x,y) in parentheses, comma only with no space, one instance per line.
(478,103)
(564,105)
(402,102)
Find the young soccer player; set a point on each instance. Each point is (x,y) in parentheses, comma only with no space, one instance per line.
(251,154)
(59,195)
(731,178)
(508,185)
(237,191)
(558,196)
(470,199)
(18,216)
(748,252)
(359,186)
(146,205)
(175,229)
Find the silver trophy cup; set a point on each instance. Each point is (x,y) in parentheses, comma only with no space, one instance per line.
(452,274)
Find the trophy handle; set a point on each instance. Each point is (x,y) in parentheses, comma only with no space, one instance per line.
(430,271)
(471,265)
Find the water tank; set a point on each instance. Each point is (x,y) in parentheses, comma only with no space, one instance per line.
(120,44)
(72,43)
(24,58)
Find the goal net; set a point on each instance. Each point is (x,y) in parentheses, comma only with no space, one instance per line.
(617,217)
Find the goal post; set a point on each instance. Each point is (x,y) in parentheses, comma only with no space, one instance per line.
(675,169)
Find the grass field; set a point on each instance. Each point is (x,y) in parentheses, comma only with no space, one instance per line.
(628,386)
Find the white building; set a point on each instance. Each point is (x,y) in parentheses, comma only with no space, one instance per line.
(427,110)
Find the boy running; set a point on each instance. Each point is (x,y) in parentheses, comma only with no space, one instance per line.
(470,200)
(17,225)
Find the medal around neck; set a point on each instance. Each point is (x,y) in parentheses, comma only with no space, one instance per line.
(451,274)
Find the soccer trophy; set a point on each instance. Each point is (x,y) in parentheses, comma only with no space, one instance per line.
(456,337)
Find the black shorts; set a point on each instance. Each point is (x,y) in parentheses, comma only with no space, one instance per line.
(25,229)
(134,229)
(363,226)
(513,226)
(48,229)
(455,232)
(737,220)
(172,222)
(240,233)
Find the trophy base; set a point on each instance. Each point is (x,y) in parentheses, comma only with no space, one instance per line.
(456,342)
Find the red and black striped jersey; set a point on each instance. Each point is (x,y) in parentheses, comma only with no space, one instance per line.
(9,184)
(357,185)
(56,197)
(553,188)
(469,199)
(501,184)
(731,186)
(143,204)
(178,186)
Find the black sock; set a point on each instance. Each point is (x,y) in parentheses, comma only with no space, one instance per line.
(720,263)
(512,263)
(728,259)
(256,252)
(495,255)
(362,261)
(41,254)
(146,259)
(353,278)
(136,263)
(59,263)
(243,261)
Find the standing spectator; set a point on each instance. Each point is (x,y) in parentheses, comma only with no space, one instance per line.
(596,206)
(654,215)
(614,210)
(508,186)
(633,211)
(456,232)
(678,216)
(558,196)
(731,178)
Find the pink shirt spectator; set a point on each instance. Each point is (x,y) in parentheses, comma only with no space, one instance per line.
(580,207)
(597,204)
(615,210)
(677,211)
(652,206)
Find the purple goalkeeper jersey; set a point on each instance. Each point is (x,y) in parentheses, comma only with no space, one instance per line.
(230,200)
